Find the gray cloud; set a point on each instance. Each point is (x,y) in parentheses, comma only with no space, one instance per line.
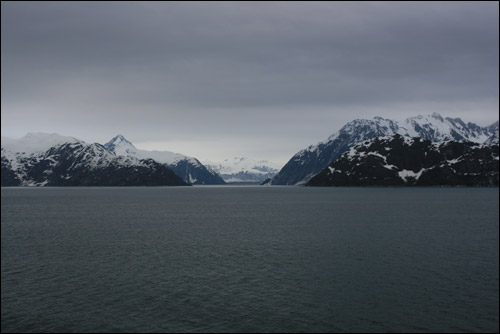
(226,71)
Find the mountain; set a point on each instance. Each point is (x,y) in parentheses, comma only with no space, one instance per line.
(189,169)
(312,160)
(436,128)
(41,159)
(400,160)
(244,170)
(493,139)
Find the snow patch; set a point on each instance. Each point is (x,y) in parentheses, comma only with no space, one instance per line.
(403,174)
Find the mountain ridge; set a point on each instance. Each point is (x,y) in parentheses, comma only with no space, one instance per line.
(313,159)
(53,160)
(188,168)
(412,161)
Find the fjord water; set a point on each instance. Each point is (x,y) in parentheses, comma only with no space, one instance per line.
(250,259)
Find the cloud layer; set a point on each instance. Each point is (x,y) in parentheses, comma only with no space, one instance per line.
(220,78)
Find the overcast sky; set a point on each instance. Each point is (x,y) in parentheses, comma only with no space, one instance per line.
(263,80)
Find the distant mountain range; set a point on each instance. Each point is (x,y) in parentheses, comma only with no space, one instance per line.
(315,158)
(243,170)
(189,169)
(41,159)
(397,160)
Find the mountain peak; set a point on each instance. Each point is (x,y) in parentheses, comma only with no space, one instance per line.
(428,118)
(119,139)
(438,116)
(118,143)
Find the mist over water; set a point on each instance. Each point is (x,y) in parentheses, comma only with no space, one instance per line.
(250,259)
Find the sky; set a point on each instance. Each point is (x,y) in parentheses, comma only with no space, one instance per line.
(216,80)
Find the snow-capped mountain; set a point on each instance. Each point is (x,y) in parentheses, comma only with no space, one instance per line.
(493,139)
(401,160)
(436,128)
(312,160)
(189,169)
(41,159)
(244,170)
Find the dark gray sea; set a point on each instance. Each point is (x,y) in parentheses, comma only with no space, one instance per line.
(250,259)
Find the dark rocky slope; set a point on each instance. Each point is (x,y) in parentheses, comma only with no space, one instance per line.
(77,163)
(405,161)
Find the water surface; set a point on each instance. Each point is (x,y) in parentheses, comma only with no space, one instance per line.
(250,259)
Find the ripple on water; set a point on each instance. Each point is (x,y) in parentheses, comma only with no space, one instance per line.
(249,260)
